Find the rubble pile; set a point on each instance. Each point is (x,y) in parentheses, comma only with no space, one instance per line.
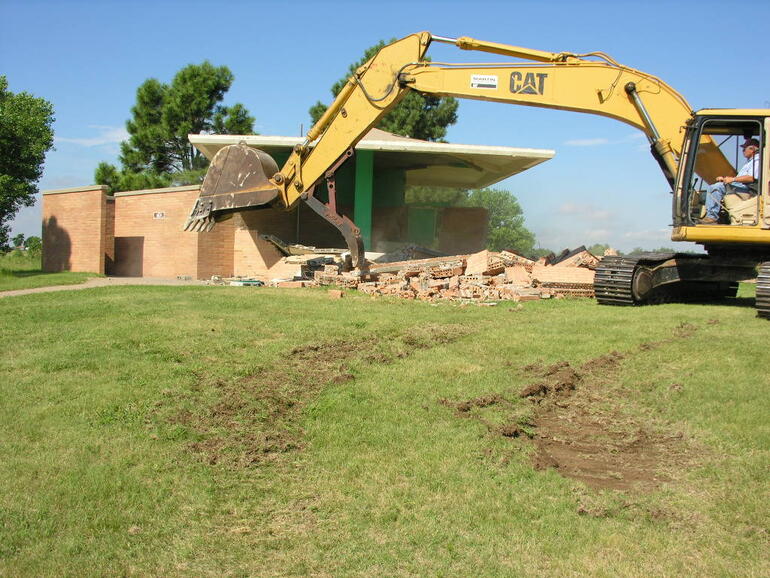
(483,276)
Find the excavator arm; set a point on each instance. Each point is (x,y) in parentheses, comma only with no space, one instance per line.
(241,178)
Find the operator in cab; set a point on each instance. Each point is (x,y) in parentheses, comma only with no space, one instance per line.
(740,183)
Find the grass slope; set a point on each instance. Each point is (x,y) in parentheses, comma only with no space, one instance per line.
(23,271)
(159,430)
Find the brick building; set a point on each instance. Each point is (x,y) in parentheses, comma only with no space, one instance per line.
(139,233)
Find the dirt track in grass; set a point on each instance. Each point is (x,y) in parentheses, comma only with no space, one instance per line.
(578,420)
(582,426)
(585,433)
(257,418)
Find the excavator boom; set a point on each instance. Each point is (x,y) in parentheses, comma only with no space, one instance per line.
(241,178)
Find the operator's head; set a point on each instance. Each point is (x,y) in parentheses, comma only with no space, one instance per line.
(750,147)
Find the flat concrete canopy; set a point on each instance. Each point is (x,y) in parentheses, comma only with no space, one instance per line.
(425,163)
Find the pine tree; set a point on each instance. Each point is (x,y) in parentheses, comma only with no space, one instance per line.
(419,116)
(158,153)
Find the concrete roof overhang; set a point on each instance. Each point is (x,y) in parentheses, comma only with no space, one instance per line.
(425,163)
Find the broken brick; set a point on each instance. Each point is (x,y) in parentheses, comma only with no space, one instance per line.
(293,284)
(482,276)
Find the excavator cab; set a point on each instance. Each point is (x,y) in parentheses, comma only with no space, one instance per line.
(716,141)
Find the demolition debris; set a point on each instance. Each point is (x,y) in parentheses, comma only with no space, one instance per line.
(481,277)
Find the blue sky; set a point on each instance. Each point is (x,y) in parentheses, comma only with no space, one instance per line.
(88,58)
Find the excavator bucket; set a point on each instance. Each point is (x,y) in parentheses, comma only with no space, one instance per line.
(237,180)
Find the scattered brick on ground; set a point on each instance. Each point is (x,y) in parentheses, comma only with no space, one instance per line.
(481,277)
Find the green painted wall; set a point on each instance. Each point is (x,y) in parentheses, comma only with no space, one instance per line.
(422,226)
(389,186)
(364,188)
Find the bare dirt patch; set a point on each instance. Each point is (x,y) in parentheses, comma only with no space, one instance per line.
(257,418)
(681,331)
(513,425)
(558,380)
(584,426)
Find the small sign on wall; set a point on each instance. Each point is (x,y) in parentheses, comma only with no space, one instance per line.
(159,215)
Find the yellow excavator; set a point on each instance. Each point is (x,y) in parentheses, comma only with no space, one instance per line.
(693,149)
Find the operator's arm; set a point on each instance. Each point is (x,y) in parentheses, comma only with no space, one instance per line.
(746,179)
(745,175)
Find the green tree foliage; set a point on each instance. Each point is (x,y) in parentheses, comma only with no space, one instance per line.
(127,180)
(34,245)
(640,250)
(18,240)
(434,196)
(158,153)
(506,220)
(598,249)
(417,116)
(25,137)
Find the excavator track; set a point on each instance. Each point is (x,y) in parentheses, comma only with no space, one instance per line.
(763,290)
(665,277)
(614,279)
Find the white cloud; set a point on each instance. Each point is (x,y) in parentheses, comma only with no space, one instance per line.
(599,235)
(585,211)
(649,237)
(571,209)
(633,137)
(586,142)
(107,135)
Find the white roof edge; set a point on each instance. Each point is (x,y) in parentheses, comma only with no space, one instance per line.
(440,147)
(381,145)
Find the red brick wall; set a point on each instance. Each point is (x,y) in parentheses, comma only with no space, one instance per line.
(139,233)
(216,250)
(255,257)
(149,240)
(75,229)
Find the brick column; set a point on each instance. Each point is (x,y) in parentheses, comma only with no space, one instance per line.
(75,229)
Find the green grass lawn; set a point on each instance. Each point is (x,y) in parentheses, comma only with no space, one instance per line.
(21,271)
(253,431)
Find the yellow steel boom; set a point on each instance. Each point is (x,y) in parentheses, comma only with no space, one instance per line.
(590,83)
